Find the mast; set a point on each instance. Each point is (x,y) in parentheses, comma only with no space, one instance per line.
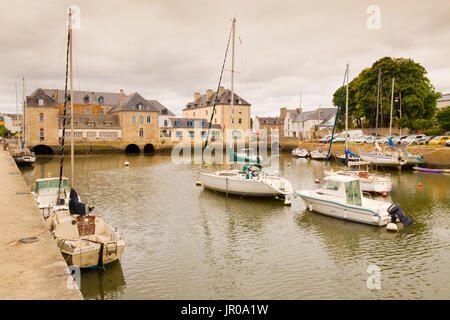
(232,83)
(378,100)
(24,112)
(400,94)
(72,134)
(392,105)
(17,123)
(346,120)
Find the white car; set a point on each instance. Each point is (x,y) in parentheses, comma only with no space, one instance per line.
(414,138)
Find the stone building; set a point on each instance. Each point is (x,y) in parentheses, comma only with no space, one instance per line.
(101,120)
(202,108)
(268,125)
(190,128)
(444,101)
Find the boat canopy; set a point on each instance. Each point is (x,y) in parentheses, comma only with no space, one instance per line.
(50,183)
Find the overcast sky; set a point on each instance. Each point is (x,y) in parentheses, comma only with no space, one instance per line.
(169,49)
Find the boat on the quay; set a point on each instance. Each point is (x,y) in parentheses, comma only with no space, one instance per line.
(341,197)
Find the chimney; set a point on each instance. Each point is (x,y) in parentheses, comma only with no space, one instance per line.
(196,96)
(209,94)
(121,98)
(282,113)
(221,91)
(55,95)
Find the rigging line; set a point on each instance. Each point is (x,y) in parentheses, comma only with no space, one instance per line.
(61,164)
(335,118)
(217,93)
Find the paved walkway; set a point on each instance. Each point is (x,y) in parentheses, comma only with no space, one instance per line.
(27,270)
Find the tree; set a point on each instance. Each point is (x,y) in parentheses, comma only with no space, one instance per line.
(3,130)
(443,118)
(418,96)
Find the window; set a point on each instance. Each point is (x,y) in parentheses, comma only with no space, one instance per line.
(206,112)
(108,135)
(165,123)
(236,134)
(91,123)
(139,106)
(191,134)
(133,119)
(240,111)
(203,134)
(107,123)
(141,133)
(203,123)
(190,123)
(240,120)
(179,134)
(41,134)
(149,119)
(87,111)
(141,119)
(101,99)
(353,192)
(78,135)
(41,117)
(102,111)
(179,124)
(86,99)
(91,134)
(332,185)
(40,101)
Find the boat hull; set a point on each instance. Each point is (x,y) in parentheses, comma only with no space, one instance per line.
(345,212)
(247,187)
(382,160)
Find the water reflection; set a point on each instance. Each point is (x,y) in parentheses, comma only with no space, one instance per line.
(103,284)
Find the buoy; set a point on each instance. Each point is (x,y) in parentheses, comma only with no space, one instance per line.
(198,183)
(126,163)
(384,194)
(287,201)
(391,227)
(317,180)
(420,185)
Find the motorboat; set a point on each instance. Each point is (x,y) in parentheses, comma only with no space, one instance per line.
(370,182)
(391,156)
(46,194)
(300,152)
(24,157)
(341,197)
(250,180)
(318,154)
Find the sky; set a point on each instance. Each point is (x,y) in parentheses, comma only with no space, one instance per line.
(168,50)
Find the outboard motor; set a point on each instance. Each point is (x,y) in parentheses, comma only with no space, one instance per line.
(75,206)
(397,212)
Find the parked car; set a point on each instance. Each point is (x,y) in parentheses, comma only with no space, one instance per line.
(425,140)
(339,138)
(439,140)
(325,139)
(385,139)
(398,139)
(413,138)
(447,143)
(357,139)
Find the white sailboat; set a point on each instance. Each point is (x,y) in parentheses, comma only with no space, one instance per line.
(251,180)
(85,239)
(341,197)
(369,182)
(318,154)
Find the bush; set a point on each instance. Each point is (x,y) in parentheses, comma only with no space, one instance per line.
(422,124)
(433,132)
(443,118)
(3,130)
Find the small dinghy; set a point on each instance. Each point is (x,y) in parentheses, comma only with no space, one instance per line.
(429,170)
(300,152)
(341,197)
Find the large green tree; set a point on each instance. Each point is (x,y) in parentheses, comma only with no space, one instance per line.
(418,96)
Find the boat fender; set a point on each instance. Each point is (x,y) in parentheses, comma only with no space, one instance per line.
(392,227)
(396,211)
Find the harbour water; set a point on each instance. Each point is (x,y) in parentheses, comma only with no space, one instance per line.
(183,242)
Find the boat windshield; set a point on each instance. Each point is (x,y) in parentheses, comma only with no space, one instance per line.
(50,184)
(332,185)
(353,192)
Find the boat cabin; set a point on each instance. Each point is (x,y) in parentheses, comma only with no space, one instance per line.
(343,187)
(47,190)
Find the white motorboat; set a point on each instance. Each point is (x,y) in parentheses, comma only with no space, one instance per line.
(318,154)
(46,194)
(251,180)
(341,197)
(370,182)
(300,152)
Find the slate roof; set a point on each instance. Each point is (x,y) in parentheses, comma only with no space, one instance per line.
(162,110)
(184,123)
(325,114)
(224,98)
(92,122)
(109,98)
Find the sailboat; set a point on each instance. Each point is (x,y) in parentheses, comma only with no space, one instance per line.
(318,153)
(392,155)
(84,238)
(22,155)
(251,179)
(369,182)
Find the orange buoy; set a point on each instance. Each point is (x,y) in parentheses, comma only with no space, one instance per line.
(384,194)
(420,185)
